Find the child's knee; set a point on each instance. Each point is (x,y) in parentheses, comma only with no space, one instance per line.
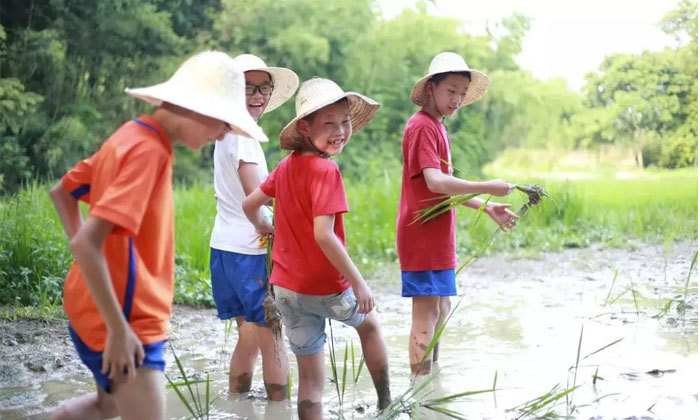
(445,306)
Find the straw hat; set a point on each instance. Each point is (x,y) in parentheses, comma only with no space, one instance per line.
(451,62)
(210,84)
(284,80)
(316,93)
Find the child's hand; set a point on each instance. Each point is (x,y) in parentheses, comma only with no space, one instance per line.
(365,301)
(265,229)
(123,350)
(501,214)
(500,188)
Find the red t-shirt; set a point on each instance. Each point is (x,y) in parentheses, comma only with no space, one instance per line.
(430,245)
(305,186)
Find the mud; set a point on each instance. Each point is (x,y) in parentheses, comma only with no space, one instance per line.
(520,319)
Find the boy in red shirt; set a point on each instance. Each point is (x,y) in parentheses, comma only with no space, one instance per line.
(427,252)
(118,293)
(313,275)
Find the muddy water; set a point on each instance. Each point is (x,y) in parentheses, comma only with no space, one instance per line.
(521,318)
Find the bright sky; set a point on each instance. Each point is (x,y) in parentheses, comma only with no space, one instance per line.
(567,38)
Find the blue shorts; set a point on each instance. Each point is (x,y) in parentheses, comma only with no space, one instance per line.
(428,283)
(304,317)
(239,285)
(153,359)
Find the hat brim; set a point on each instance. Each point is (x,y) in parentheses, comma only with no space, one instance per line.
(478,85)
(285,83)
(239,120)
(361,108)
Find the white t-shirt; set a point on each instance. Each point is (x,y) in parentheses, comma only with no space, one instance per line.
(232,230)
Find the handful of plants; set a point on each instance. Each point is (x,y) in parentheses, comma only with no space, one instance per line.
(534,193)
(273,318)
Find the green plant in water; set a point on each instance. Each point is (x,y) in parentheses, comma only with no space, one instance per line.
(693,264)
(199,409)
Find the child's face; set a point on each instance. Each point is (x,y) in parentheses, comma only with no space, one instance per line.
(331,128)
(200,130)
(449,93)
(255,83)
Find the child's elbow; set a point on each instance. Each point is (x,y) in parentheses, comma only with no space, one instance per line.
(322,238)
(56,192)
(435,185)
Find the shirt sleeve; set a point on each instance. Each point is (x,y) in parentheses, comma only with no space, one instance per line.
(328,192)
(423,151)
(77,180)
(247,150)
(125,199)
(268,185)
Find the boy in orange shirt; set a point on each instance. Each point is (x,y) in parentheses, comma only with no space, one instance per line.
(118,293)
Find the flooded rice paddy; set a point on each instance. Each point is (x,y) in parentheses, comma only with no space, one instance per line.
(518,319)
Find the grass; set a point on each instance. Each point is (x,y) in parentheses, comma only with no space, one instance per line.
(34,262)
(199,406)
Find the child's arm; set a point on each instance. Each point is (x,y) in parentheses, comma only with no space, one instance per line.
(336,253)
(441,183)
(122,344)
(251,208)
(67,209)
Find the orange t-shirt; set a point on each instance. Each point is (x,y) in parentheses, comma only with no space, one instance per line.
(128,182)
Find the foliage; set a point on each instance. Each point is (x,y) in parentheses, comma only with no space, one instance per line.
(34,262)
(648,100)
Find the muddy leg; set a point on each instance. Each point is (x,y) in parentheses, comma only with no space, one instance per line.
(444,311)
(425,315)
(374,350)
(311,382)
(275,363)
(95,405)
(243,359)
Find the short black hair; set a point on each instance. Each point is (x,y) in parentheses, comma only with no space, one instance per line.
(437,78)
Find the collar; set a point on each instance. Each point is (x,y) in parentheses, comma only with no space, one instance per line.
(148,122)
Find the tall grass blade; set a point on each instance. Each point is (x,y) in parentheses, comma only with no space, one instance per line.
(195,401)
(603,348)
(693,264)
(617,270)
(334,368)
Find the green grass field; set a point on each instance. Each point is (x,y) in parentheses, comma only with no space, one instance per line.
(656,206)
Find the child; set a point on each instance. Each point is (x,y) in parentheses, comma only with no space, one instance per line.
(238,263)
(313,276)
(427,251)
(118,293)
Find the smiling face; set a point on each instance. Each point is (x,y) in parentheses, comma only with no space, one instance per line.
(446,96)
(257,102)
(329,128)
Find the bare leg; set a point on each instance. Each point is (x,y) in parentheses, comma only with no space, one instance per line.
(95,405)
(275,363)
(311,381)
(445,306)
(374,350)
(425,316)
(243,359)
(142,399)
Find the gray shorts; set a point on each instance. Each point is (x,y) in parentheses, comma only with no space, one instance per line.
(304,316)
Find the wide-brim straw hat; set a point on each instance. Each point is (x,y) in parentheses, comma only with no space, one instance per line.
(317,93)
(208,83)
(284,80)
(446,62)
